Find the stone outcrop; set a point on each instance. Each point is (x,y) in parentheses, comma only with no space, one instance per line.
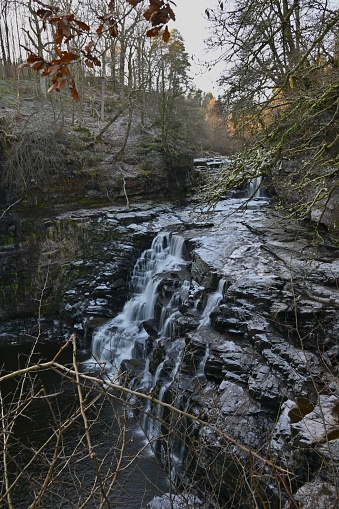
(258,370)
(263,370)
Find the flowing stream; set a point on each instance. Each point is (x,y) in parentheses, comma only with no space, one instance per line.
(117,339)
(159,286)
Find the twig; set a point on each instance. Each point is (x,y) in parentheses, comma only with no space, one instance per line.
(9,207)
(91,451)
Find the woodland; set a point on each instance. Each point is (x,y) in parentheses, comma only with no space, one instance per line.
(98,109)
(280,78)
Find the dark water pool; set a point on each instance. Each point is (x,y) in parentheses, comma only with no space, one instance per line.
(60,474)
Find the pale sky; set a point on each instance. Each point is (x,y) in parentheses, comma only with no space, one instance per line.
(193,26)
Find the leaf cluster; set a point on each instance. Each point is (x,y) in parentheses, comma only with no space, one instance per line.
(66,27)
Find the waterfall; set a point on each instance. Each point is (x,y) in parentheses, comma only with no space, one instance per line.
(115,341)
(202,363)
(212,301)
(254,190)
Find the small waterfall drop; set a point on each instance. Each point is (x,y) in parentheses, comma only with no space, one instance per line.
(254,189)
(212,301)
(202,363)
(115,340)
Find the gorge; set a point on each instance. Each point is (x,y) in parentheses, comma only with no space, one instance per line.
(232,318)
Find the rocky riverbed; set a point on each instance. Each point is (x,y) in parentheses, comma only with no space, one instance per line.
(252,352)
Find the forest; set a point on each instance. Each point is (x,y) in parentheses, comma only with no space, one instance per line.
(169,258)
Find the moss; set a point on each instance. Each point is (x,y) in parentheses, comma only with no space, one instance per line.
(81,129)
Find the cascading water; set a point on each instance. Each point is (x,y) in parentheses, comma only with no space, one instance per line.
(212,301)
(255,190)
(115,341)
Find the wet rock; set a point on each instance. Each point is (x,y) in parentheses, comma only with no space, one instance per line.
(316,494)
(182,501)
(267,387)
(319,426)
(150,327)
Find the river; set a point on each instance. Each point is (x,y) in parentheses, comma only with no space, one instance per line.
(65,458)
(236,277)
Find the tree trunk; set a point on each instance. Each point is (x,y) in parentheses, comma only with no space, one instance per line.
(103,86)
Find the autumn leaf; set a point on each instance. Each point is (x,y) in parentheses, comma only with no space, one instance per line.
(113,30)
(75,95)
(37,66)
(88,47)
(111,6)
(134,2)
(89,63)
(23,65)
(82,25)
(153,32)
(166,35)
(53,69)
(74,92)
(60,84)
(148,14)
(58,36)
(33,58)
(58,51)
(64,70)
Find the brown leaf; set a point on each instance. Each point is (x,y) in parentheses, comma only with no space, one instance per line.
(89,63)
(58,51)
(166,35)
(82,25)
(160,18)
(53,69)
(64,70)
(89,46)
(37,66)
(133,2)
(107,16)
(171,13)
(68,56)
(158,3)
(74,92)
(100,28)
(33,58)
(56,19)
(153,32)
(65,26)
(150,11)
(60,84)
(44,14)
(113,30)
(58,36)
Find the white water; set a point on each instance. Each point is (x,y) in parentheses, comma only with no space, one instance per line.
(115,341)
(255,190)
(212,301)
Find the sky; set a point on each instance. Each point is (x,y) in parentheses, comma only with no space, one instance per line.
(193,26)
